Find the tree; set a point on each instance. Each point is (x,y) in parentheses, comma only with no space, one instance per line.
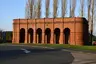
(64,3)
(39,9)
(82,7)
(92,11)
(35,9)
(47,8)
(55,7)
(31,3)
(1,36)
(29,9)
(89,17)
(72,8)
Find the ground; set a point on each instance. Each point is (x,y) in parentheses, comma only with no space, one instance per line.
(24,54)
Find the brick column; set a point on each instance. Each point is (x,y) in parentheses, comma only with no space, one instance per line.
(61,38)
(26,37)
(43,37)
(17,34)
(13,39)
(17,31)
(52,38)
(26,33)
(34,37)
(72,38)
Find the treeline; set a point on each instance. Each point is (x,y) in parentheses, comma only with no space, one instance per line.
(86,8)
(5,36)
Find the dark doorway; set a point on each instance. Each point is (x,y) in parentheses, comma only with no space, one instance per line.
(57,35)
(67,35)
(47,35)
(30,35)
(39,35)
(22,35)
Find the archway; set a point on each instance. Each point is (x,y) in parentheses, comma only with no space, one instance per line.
(30,35)
(22,35)
(39,35)
(67,35)
(57,35)
(47,35)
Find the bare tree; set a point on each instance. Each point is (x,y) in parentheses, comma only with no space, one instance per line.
(35,9)
(39,9)
(72,6)
(89,8)
(29,9)
(47,8)
(82,7)
(64,3)
(31,3)
(92,11)
(55,7)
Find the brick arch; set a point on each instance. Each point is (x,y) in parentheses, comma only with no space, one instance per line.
(22,35)
(57,35)
(66,33)
(39,35)
(30,35)
(47,35)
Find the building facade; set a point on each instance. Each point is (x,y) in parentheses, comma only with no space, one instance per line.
(73,31)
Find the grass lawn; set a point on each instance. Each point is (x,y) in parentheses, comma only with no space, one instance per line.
(75,47)
(90,48)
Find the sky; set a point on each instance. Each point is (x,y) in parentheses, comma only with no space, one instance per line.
(9,10)
(14,9)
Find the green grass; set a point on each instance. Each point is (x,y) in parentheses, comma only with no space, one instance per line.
(75,47)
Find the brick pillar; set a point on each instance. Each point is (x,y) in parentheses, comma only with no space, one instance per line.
(72,38)
(51,40)
(26,33)
(53,32)
(26,37)
(34,37)
(35,34)
(28,41)
(17,33)
(61,38)
(79,40)
(37,38)
(43,37)
(13,39)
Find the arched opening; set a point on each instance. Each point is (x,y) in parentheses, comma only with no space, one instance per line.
(22,35)
(39,35)
(57,35)
(30,35)
(67,35)
(47,35)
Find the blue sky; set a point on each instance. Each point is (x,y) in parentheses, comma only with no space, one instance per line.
(9,10)
(13,9)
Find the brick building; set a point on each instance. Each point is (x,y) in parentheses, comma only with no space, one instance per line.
(73,31)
